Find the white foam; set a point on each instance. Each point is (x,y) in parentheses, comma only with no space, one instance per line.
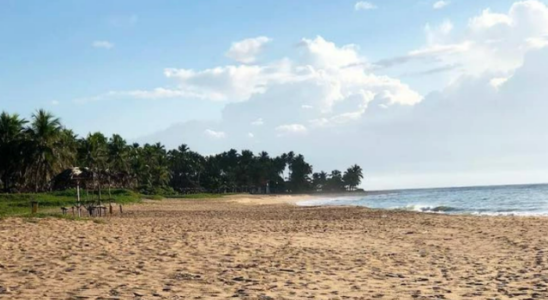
(326,201)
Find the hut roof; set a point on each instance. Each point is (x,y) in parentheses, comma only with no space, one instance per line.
(76,173)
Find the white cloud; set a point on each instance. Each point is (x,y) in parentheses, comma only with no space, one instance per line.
(488,19)
(55,102)
(227,83)
(441,4)
(364,5)
(320,76)
(246,51)
(324,54)
(155,94)
(436,50)
(291,129)
(103,45)
(215,134)
(469,128)
(492,42)
(537,42)
(488,118)
(498,82)
(258,122)
(438,33)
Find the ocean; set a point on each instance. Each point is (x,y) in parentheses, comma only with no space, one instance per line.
(519,200)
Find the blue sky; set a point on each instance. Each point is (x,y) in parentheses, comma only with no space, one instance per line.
(85,60)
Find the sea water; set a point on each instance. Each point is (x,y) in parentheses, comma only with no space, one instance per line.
(525,200)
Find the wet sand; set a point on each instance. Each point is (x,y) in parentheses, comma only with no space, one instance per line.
(219,249)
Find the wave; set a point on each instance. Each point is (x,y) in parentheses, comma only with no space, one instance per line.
(442,209)
(472,211)
(429,208)
(511,213)
(328,200)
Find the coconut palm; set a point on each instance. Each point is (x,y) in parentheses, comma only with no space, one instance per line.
(32,154)
(117,154)
(300,172)
(319,180)
(353,177)
(11,138)
(186,168)
(47,155)
(335,182)
(93,152)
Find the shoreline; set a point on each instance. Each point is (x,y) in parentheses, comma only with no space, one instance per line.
(250,199)
(307,200)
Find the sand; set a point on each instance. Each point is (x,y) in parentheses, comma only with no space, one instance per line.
(219,249)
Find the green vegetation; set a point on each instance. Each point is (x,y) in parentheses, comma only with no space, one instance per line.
(38,156)
(19,204)
(50,203)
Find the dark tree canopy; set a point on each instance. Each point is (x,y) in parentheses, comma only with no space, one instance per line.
(34,154)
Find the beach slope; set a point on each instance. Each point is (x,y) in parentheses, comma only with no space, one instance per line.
(223,248)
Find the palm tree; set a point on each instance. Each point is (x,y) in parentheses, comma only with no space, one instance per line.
(69,142)
(118,154)
(153,168)
(263,168)
(186,168)
(31,156)
(117,162)
(47,154)
(300,172)
(319,180)
(335,181)
(244,172)
(11,138)
(353,177)
(93,154)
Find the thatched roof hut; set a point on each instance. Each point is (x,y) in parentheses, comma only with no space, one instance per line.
(69,178)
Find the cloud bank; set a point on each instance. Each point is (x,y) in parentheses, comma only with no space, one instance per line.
(329,102)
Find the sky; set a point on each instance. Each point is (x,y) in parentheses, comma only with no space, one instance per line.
(419,93)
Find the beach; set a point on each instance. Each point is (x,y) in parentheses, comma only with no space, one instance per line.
(260,247)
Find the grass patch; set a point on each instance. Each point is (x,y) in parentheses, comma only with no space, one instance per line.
(19,204)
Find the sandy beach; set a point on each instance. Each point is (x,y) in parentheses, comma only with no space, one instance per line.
(235,248)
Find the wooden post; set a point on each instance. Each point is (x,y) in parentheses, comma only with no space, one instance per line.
(121,212)
(110,208)
(78,198)
(72,208)
(34,206)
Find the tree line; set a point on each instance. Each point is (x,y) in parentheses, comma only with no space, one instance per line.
(33,154)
